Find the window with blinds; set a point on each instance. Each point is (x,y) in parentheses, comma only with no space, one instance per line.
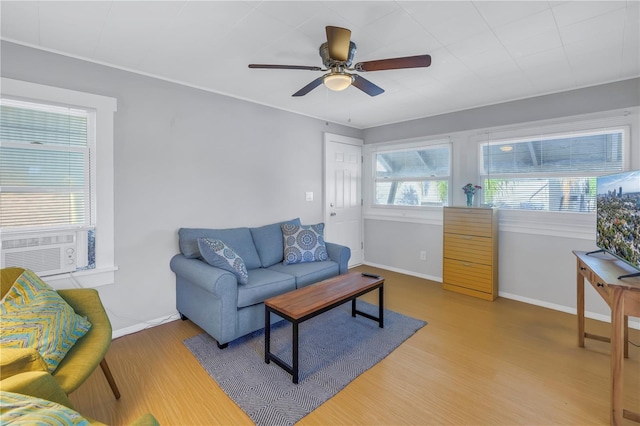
(45,167)
(550,173)
(413,177)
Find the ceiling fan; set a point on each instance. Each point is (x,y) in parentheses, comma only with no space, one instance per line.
(337,56)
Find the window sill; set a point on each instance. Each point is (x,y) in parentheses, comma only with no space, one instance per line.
(90,278)
(423,215)
(554,224)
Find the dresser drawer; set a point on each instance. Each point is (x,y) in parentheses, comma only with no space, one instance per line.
(585,271)
(603,289)
(469,248)
(598,283)
(468,274)
(469,221)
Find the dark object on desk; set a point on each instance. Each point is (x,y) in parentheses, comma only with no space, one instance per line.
(618,217)
(367,274)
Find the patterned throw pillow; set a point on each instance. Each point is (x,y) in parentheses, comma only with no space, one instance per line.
(35,316)
(28,410)
(304,243)
(217,253)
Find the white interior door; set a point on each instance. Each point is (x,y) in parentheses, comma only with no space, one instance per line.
(343,193)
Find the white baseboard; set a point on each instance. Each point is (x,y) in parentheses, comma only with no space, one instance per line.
(404,271)
(633,322)
(144,325)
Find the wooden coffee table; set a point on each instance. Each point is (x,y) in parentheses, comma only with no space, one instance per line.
(304,303)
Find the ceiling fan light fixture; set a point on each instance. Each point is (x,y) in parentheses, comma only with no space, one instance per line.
(337,55)
(338,81)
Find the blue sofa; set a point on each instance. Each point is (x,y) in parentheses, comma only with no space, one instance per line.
(213,299)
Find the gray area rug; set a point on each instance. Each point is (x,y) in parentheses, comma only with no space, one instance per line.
(335,348)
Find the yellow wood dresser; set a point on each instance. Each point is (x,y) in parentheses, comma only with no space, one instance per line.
(470,251)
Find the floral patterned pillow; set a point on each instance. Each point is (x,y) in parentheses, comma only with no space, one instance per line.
(304,243)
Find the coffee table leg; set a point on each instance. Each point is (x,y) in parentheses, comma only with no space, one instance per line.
(295,352)
(267,334)
(380,318)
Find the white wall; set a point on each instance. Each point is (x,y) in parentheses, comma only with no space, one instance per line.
(535,261)
(185,158)
(188,158)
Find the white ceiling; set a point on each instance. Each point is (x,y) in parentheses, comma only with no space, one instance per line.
(483,52)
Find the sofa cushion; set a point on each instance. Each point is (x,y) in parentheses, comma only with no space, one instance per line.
(238,238)
(34,315)
(309,273)
(304,243)
(269,242)
(263,284)
(217,253)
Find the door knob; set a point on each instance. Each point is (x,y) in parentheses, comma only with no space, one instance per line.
(333,214)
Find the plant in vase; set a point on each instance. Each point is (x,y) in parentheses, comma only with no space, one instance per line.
(470,190)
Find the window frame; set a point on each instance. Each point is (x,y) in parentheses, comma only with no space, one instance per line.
(102,171)
(430,214)
(560,224)
(549,133)
(88,159)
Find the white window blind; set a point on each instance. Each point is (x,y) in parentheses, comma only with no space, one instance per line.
(413,177)
(550,173)
(44,166)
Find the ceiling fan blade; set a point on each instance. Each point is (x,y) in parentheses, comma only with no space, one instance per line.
(285,67)
(366,86)
(338,41)
(309,87)
(395,63)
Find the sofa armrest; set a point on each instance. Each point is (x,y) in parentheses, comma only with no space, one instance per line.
(214,280)
(20,360)
(89,350)
(340,254)
(38,384)
(146,420)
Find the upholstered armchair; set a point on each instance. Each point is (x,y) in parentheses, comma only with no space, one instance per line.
(77,365)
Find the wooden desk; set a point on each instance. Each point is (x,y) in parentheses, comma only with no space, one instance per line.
(623,297)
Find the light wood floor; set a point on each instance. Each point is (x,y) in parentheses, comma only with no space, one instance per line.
(475,363)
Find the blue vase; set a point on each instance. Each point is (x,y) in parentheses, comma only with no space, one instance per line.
(469,199)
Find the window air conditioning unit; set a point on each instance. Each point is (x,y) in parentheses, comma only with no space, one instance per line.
(43,254)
